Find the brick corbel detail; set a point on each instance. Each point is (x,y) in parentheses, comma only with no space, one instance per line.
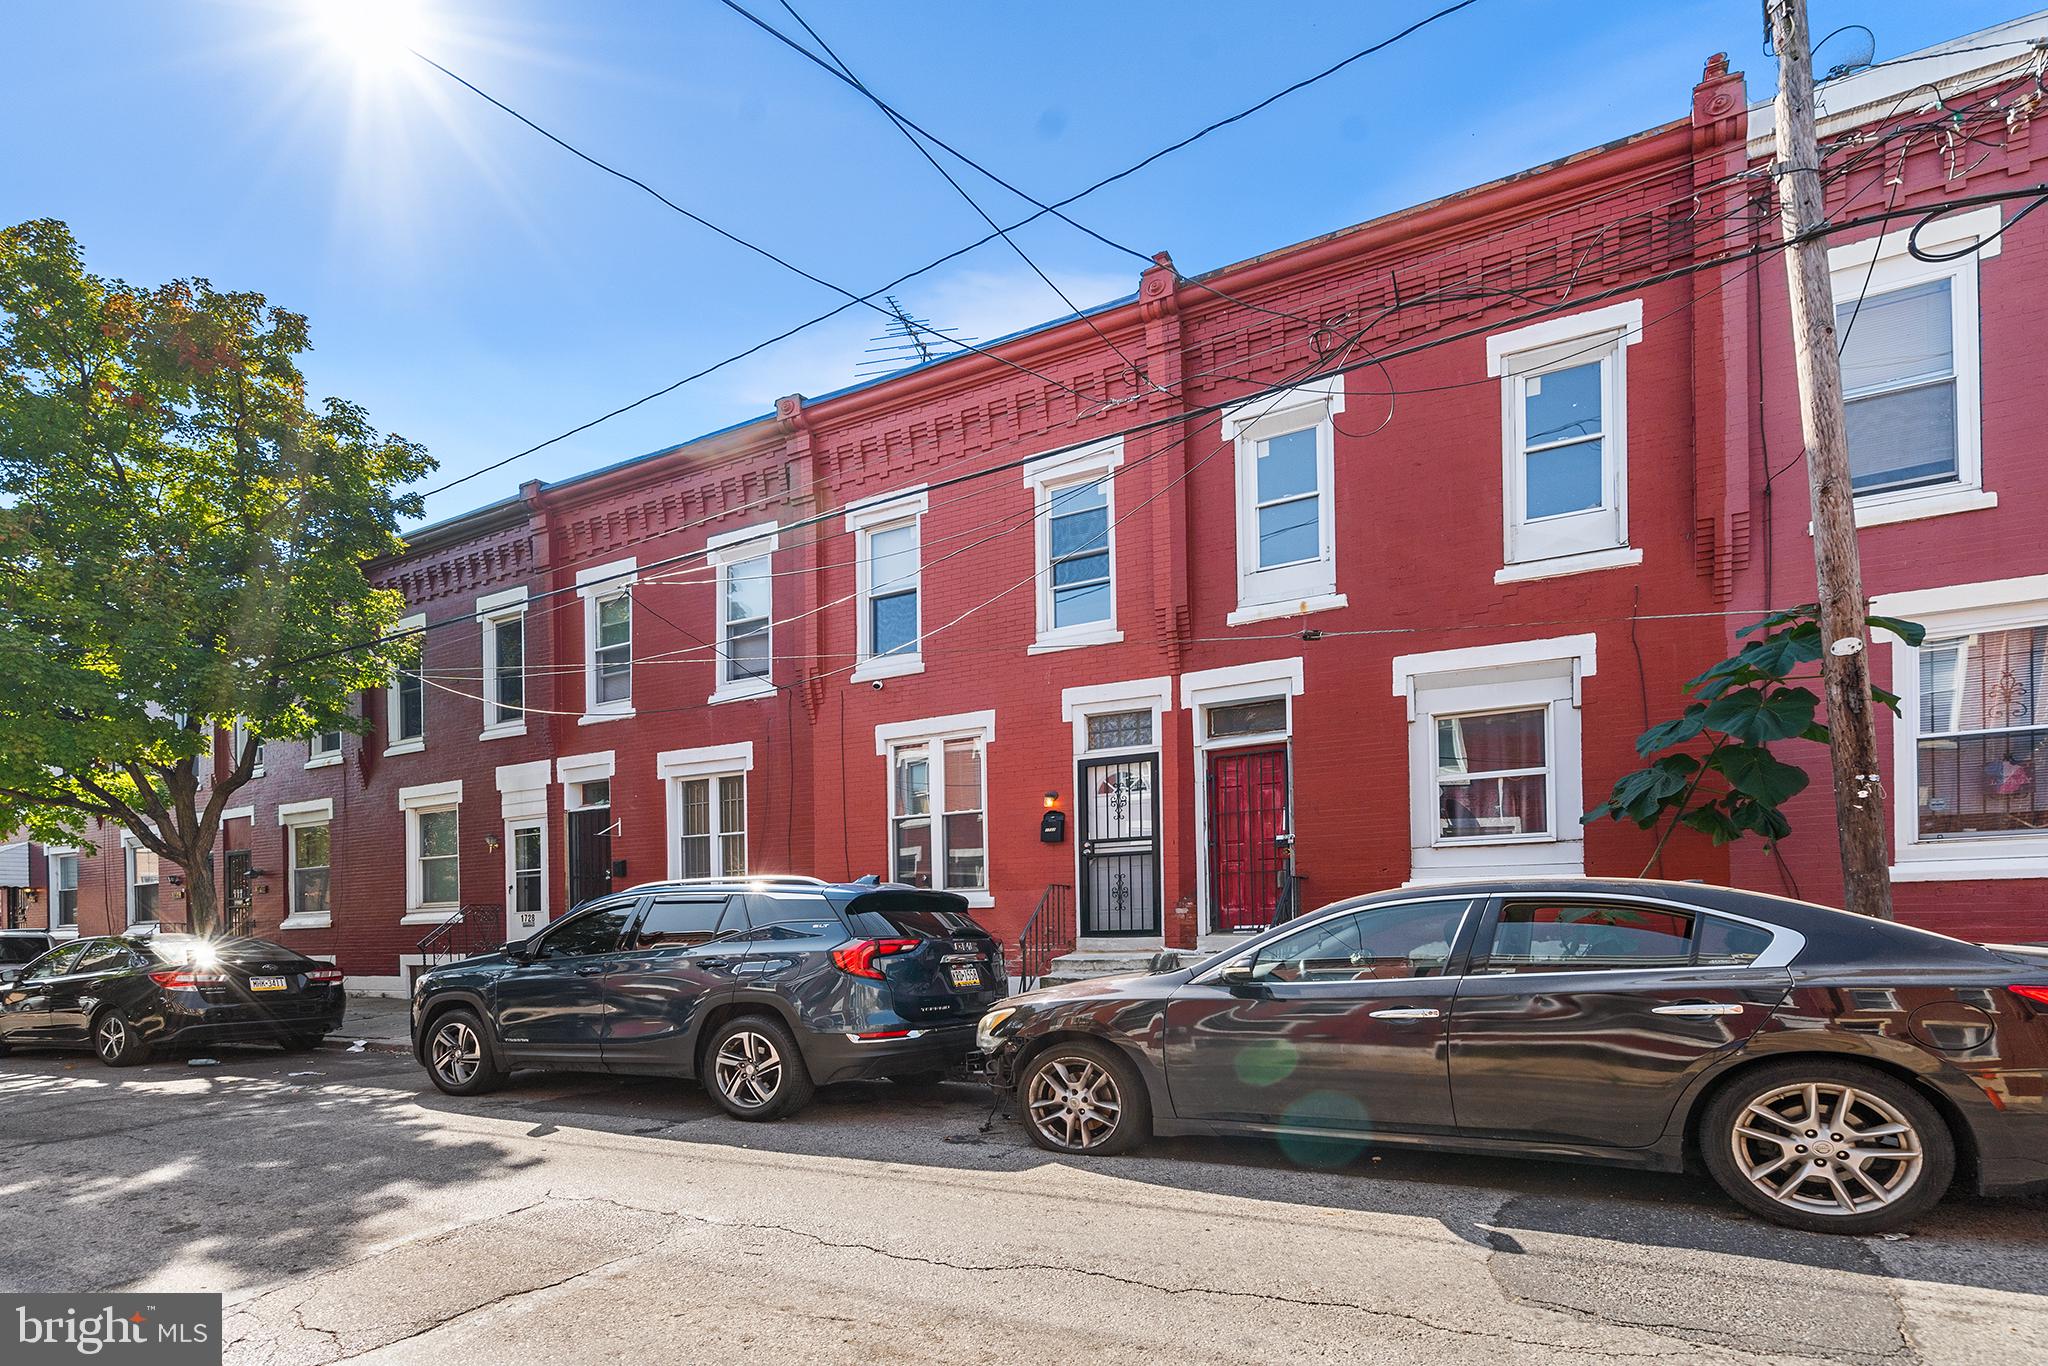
(1166,563)
(1723,401)
(803,470)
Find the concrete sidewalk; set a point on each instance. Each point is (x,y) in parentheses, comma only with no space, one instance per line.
(380,1022)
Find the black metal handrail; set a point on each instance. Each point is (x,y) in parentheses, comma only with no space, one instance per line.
(1047,934)
(476,927)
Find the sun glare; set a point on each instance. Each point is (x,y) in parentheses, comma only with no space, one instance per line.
(371,32)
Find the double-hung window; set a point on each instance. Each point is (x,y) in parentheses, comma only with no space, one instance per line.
(938,802)
(1074,506)
(63,889)
(504,660)
(888,537)
(239,740)
(405,701)
(433,828)
(144,882)
(707,808)
(1286,501)
(1908,334)
(743,562)
(1493,775)
(307,849)
(323,749)
(1564,425)
(607,592)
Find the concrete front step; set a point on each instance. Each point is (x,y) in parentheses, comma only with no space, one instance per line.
(1086,963)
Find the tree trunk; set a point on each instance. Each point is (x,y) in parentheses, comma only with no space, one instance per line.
(202,899)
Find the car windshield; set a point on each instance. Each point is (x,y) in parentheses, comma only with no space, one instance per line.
(911,915)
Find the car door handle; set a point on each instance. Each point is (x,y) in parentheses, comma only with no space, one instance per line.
(714,962)
(591,970)
(1408,1013)
(1697,1009)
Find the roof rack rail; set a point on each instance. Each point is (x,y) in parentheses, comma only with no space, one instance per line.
(798,879)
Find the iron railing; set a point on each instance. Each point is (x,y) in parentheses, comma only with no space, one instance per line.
(1047,934)
(477,927)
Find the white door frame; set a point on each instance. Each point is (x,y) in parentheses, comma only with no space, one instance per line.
(1270,679)
(538,824)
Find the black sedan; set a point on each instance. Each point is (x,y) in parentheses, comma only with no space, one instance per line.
(1830,1072)
(124,996)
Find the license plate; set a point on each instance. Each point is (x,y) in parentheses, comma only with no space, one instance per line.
(267,984)
(966,977)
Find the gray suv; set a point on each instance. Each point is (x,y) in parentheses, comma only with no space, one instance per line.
(763,989)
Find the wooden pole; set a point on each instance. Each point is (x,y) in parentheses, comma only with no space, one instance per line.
(1845,661)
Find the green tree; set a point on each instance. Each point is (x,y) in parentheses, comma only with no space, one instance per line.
(1713,769)
(182,541)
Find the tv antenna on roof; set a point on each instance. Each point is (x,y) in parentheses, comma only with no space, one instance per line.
(909,341)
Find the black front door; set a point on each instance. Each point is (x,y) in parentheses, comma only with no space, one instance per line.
(685,957)
(1341,1025)
(1119,846)
(1584,1018)
(590,854)
(552,1005)
(235,890)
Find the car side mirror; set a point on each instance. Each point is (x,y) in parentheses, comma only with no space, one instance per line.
(1240,978)
(516,948)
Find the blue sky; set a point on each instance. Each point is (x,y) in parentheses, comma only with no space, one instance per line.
(478,289)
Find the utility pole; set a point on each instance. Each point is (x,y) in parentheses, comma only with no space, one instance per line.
(1845,657)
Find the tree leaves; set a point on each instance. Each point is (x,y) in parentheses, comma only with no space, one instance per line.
(1758,716)
(1753,771)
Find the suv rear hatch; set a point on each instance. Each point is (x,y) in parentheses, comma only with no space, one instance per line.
(935,962)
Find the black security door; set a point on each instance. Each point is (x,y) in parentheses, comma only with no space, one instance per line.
(1120,846)
(590,854)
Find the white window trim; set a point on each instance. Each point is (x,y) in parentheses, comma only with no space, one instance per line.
(523,790)
(864,519)
(1514,676)
(238,737)
(596,585)
(676,766)
(935,731)
(1888,264)
(51,853)
(129,846)
(1149,694)
(1604,334)
(1958,609)
(724,551)
(1045,477)
(413,802)
(291,815)
(392,747)
(1291,589)
(317,758)
(494,609)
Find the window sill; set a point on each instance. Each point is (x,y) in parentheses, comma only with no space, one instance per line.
(306,922)
(1619,557)
(1969,868)
(1883,510)
(1052,643)
(741,692)
(392,751)
(887,666)
(1248,612)
(324,761)
(503,732)
(598,718)
(430,915)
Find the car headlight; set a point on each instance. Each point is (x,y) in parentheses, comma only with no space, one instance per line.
(985,1032)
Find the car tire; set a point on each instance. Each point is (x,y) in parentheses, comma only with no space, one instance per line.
(1084,1099)
(755,1071)
(117,1041)
(303,1043)
(919,1081)
(1807,1115)
(458,1055)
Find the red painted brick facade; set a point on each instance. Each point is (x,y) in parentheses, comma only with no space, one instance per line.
(1417,499)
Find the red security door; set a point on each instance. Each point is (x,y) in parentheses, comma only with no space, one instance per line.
(1247,815)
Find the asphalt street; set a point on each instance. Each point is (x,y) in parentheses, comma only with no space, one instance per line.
(350,1212)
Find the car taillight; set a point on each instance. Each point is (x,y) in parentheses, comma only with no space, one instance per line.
(184,979)
(2038,995)
(324,975)
(858,956)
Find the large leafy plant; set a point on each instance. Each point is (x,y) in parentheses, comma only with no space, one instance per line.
(1711,768)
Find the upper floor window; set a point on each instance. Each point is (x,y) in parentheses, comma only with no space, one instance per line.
(1564,424)
(504,662)
(1074,505)
(744,565)
(1286,509)
(323,749)
(607,593)
(239,741)
(888,569)
(405,702)
(1908,334)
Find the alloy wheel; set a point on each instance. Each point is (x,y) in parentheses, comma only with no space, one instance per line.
(112,1037)
(1074,1102)
(1827,1148)
(748,1069)
(457,1053)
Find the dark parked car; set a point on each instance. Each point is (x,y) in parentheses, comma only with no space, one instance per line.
(124,996)
(19,948)
(763,989)
(1830,1072)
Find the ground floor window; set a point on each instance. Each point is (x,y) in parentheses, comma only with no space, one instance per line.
(435,843)
(310,851)
(937,824)
(1493,774)
(713,825)
(1982,745)
(144,881)
(63,891)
